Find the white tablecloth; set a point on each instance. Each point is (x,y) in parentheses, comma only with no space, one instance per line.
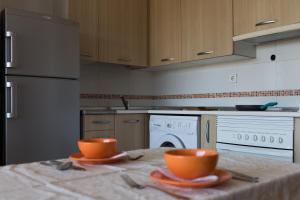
(278,180)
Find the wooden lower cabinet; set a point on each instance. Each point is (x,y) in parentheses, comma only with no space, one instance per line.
(208,131)
(130,131)
(297,141)
(98,122)
(95,126)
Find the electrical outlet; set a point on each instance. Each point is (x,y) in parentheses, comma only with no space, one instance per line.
(233,78)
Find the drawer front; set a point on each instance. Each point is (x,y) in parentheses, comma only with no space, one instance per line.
(99,122)
(99,134)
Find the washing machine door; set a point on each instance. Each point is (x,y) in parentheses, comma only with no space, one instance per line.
(170,140)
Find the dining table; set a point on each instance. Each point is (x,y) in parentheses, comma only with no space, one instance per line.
(278,180)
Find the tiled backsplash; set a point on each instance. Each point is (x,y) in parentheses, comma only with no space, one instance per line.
(271,93)
(258,81)
(187,99)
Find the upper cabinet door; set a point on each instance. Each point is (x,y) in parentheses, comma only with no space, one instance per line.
(86,14)
(255,15)
(127,32)
(206,29)
(165,32)
(290,12)
(267,14)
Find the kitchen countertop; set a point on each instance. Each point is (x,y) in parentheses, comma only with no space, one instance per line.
(240,113)
(278,180)
(179,111)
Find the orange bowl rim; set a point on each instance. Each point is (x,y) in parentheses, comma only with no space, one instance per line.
(98,140)
(176,153)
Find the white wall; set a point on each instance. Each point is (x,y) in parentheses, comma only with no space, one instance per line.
(102,78)
(114,79)
(253,75)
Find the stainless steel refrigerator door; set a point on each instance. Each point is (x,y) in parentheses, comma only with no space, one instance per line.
(45,120)
(38,45)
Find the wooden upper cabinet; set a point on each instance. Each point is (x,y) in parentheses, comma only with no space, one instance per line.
(255,15)
(267,14)
(127,32)
(86,14)
(290,11)
(165,32)
(206,29)
(244,16)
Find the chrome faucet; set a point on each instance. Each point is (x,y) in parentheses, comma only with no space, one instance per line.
(125,103)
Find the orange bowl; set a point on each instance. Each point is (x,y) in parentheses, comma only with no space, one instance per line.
(191,163)
(98,148)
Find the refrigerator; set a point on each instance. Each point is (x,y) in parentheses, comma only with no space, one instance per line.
(40,108)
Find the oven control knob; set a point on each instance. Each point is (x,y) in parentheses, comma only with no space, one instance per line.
(246,137)
(255,138)
(272,139)
(263,138)
(239,136)
(280,140)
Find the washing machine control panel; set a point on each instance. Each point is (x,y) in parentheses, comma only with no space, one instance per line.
(179,125)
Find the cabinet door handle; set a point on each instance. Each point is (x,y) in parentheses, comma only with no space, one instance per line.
(124,60)
(86,55)
(207,134)
(167,59)
(12,112)
(9,53)
(265,22)
(131,121)
(101,122)
(205,53)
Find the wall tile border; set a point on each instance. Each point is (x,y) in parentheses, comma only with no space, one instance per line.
(267,93)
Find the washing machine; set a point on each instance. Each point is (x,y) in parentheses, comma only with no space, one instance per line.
(174,131)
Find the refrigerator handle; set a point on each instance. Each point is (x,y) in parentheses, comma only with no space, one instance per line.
(10,40)
(12,111)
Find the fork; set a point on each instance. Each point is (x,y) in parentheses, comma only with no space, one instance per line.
(243,177)
(135,158)
(133,184)
(62,166)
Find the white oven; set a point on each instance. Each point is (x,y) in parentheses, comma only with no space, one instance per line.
(260,135)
